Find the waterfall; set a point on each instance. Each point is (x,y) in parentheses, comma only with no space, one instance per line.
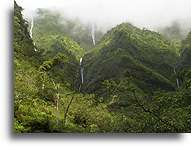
(81,71)
(31,29)
(93,34)
(177,81)
(32,24)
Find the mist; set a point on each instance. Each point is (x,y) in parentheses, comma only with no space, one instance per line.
(151,14)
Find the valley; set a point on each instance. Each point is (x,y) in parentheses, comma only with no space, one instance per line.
(71,78)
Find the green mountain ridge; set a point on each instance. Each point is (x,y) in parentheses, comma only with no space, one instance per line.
(137,50)
(54,44)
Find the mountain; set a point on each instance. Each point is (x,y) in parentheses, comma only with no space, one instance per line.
(50,45)
(47,22)
(127,51)
(129,82)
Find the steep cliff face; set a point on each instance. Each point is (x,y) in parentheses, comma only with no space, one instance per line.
(22,43)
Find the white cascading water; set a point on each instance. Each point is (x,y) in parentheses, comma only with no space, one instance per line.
(32,24)
(93,34)
(31,31)
(81,71)
(177,81)
(81,59)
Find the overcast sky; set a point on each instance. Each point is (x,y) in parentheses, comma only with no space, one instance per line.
(143,13)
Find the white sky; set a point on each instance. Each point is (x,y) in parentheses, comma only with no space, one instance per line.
(144,13)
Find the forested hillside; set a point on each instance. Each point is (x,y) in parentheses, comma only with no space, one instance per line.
(185,52)
(143,55)
(47,22)
(133,80)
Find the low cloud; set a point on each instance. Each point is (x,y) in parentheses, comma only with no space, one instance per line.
(151,14)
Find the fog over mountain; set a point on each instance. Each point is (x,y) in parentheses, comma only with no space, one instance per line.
(108,13)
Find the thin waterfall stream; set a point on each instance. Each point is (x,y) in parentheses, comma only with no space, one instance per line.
(31,28)
(81,71)
(31,31)
(93,34)
(177,81)
(81,59)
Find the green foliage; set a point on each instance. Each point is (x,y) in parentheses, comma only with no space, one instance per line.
(49,23)
(127,51)
(63,68)
(32,118)
(185,62)
(22,43)
(129,80)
